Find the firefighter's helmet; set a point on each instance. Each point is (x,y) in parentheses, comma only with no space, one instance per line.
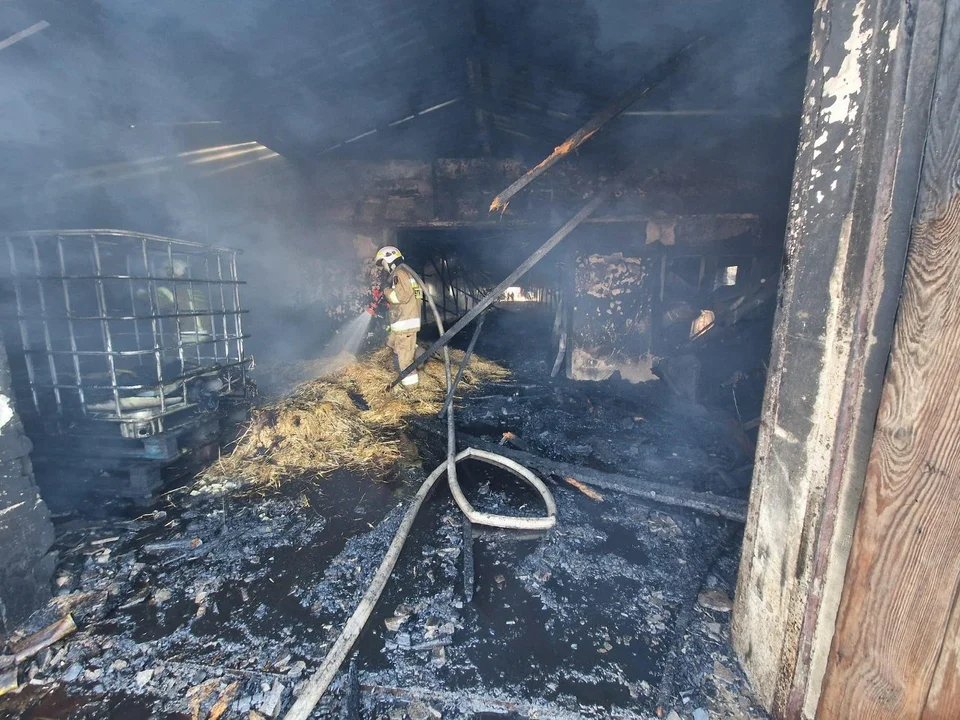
(177,269)
(387,257)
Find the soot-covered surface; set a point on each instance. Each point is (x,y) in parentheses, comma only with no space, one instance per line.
(616,426)
(599,617)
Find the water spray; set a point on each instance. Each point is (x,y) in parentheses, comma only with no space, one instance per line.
(350,337)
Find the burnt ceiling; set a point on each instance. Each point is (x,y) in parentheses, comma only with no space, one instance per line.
(399,78)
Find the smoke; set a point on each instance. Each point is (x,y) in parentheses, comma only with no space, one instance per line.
(572,58)
(224,122)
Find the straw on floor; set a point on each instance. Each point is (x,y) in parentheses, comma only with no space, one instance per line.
(345,419)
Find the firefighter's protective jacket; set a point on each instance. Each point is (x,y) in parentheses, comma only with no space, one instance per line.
(190,303)
(405,300)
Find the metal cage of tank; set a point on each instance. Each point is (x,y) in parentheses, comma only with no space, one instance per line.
(122,327)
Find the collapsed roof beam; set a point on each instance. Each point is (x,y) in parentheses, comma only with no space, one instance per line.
(649,81)
(512,224)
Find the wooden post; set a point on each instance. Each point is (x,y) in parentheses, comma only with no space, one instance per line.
(866,110)
(896,652)
(478,98)
(446,286)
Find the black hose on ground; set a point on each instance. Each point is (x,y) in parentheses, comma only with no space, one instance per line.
(318,683)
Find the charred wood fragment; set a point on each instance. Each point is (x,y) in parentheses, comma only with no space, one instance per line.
(39,641)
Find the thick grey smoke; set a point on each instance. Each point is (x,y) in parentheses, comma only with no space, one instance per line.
(223,122)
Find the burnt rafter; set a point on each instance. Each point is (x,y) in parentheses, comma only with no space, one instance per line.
(649,81)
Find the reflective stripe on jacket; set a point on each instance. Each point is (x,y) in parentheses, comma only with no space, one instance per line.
(405,325)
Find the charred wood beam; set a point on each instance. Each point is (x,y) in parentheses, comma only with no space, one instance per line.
(656,76)
(38,642)
(396,123)
(478,76)
(705,112)
(706,503)
(475,81)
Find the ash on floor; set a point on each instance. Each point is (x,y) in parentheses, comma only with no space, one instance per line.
(220,605)
(578,622)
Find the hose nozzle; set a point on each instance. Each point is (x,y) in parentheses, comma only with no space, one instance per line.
(375,303)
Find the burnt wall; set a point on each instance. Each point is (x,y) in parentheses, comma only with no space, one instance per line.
(612,316)
(617,277)
(26,533)
(451,191)
(870,86)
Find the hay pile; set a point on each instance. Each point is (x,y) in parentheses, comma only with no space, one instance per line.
(346,419)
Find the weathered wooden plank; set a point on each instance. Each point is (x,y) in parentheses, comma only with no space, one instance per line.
(903,571)
(895,648)
(943,700)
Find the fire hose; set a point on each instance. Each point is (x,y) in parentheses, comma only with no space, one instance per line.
(318,683)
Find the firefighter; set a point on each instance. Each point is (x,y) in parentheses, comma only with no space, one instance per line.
(187,300)
(405,302)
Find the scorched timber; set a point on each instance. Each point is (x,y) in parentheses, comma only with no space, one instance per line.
(656,76)
(716,505)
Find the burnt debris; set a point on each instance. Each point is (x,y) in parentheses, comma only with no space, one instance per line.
(241,478)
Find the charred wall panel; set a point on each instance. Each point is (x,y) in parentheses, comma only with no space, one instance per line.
(613,316)
(454,191)
(617,320)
